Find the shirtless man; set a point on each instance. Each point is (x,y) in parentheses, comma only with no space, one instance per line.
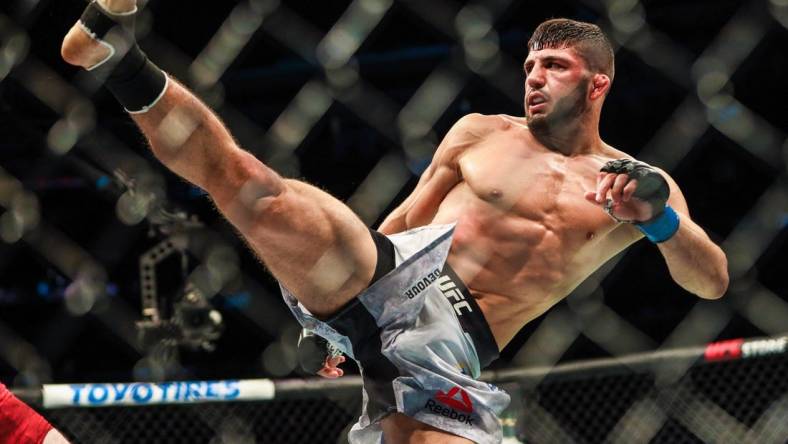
(510,216)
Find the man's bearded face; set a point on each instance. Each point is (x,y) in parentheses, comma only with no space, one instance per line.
(555,112)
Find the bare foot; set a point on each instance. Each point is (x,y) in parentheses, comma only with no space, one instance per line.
(81,49)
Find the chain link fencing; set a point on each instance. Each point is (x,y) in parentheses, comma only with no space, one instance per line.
(732,391)
(713,72)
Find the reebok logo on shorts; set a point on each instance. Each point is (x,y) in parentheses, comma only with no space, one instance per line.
(422,285)
(451,402)
(463,403)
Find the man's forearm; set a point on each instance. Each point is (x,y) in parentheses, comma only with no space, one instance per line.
(695,262)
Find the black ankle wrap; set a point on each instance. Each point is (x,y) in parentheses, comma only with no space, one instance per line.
(132,78)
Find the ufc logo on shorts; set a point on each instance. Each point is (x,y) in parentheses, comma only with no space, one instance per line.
(449,289)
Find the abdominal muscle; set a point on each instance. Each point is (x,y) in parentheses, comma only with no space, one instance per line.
(515,267)
(525,236)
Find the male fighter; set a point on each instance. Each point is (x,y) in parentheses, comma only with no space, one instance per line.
(511,215)
(20,424)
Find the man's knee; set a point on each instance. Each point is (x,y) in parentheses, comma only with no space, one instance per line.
(253,199)
(294,207)
(241,185)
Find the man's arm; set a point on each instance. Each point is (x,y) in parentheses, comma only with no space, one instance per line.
(694,261)
(396,221)
(420,207)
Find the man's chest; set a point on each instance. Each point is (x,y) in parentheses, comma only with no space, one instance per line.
(535,185)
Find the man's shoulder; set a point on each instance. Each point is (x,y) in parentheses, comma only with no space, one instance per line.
(477,126)
(610,152)
(490,120)
(466,132)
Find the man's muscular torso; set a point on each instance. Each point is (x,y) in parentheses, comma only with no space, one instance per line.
(525,235)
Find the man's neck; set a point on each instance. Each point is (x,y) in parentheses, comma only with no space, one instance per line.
(581,138)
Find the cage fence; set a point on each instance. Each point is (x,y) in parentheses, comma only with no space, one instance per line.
(732,391)
(327,66)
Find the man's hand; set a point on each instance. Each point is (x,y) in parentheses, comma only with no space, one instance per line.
(331,368)
(637,191)
(316,356)
(619,203)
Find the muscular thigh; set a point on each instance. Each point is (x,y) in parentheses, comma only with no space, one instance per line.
(311,242)
(402,429)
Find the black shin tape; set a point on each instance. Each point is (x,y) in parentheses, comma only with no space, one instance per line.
(134,80)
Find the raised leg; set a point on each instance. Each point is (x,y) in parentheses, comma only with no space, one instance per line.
(309,240)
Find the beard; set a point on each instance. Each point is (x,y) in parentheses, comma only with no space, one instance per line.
(565,111)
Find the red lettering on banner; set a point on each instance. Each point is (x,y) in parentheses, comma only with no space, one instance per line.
(723,350)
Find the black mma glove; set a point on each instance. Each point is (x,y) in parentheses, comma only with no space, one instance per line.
(313,351)
(653,189)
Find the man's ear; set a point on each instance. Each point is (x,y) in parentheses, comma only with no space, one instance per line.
(600,84)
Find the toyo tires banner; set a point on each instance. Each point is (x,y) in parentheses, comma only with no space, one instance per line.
(149,393)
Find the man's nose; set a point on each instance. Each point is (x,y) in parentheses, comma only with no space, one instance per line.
(535,78)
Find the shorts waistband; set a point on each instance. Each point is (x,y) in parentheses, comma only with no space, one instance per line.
(355,322)
(469,315)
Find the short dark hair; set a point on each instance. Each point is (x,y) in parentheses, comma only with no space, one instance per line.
(586,38)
